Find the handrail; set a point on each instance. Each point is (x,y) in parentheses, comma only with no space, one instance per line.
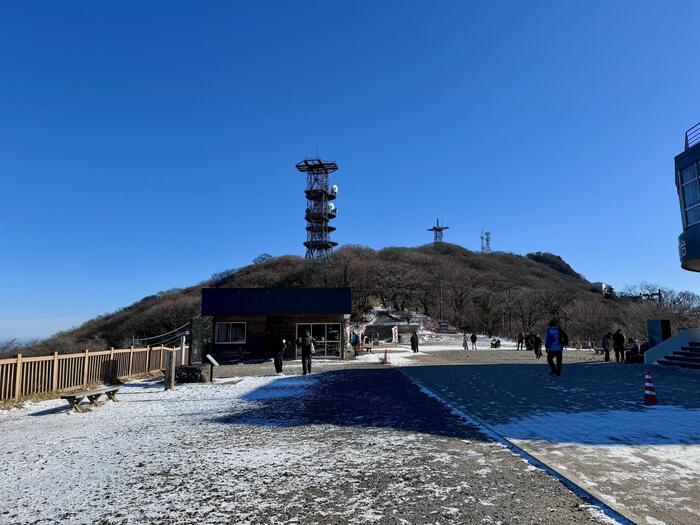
(25,376)
(692,136)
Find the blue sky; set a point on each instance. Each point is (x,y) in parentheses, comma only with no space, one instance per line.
(146,145)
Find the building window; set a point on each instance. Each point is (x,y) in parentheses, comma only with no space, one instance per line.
(230,333)
(327,335)
(691,194)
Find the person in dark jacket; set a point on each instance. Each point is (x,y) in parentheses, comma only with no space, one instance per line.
(414,341)
(307,346)
(537,345)
(607,343)
(554,347)
(521,339)
(618,340)
(473,340)
(278,354)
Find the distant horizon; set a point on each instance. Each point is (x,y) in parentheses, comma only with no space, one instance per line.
(70,323)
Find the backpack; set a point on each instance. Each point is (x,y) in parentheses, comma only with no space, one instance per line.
(563,338)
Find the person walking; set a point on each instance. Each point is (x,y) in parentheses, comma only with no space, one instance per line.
(278,355)
(414,342)
(473,340)
(465,342)
(355,342)
(537,345)
(521,338)
(607,343)
(555,341)
(618,341)
(307,349)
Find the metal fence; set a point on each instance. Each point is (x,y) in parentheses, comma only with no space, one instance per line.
(27,376)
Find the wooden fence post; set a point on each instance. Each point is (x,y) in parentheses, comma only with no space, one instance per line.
(131,358)
(54,381)
(113,368)
(85,368)
(161,357)
(18,377)
(170,370)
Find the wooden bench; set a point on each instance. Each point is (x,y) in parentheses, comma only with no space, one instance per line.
(74,398)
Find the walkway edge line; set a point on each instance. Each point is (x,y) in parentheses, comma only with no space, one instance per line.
(485,429)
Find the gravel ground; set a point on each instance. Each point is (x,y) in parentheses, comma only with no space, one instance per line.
(345,446)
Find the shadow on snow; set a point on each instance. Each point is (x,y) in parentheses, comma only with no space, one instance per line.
(370,398)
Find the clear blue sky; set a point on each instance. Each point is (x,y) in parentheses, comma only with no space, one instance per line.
(146,145)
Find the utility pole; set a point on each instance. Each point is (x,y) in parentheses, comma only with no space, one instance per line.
(440,305)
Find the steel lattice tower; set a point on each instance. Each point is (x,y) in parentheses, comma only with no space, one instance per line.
(485,242)
(437,229)
(319,208)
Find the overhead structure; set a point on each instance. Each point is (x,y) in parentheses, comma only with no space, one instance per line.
(485,242)
(320,209)
(437,230)
(688,187)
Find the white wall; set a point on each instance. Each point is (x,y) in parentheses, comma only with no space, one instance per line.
(682,338)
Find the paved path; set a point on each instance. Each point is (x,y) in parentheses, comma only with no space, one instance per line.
(591,426)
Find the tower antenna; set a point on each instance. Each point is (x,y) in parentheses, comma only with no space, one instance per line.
(320,209)
(485,241)
(437,231)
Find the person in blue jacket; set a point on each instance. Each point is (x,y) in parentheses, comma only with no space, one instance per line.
(555,341)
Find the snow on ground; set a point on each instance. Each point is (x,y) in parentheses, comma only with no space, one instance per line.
(400,358)
(437,342)
(590,426)
(656,451)
(348,446)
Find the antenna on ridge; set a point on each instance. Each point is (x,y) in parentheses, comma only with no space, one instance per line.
(437,230)
(485,241)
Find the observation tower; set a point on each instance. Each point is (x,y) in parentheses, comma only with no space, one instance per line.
(320,209)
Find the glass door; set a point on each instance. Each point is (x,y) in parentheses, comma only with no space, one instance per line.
(327,336)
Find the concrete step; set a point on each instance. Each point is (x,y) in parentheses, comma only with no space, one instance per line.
(694,343)
(683,358)
(694,349)
(679,364)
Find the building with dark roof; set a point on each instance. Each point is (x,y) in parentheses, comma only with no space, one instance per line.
(688,185)
(251,322)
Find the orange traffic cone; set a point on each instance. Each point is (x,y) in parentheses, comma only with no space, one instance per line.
(649,392)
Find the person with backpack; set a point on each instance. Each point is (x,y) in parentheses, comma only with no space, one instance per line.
(307,349)
(473,340)
(414,342)
(355,341)
(618,341)
(555,341)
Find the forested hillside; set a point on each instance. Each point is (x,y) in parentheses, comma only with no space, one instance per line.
(498,291)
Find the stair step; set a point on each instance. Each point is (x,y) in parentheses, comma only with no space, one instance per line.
(678,364)
(683,358)
(695,355)
(694,343)
(694,349)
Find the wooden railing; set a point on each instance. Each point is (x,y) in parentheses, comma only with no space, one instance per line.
(27,376)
